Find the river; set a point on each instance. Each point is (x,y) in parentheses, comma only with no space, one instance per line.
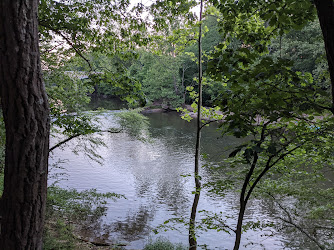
(149,174)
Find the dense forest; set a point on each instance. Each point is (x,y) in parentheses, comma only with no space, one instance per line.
(259,71)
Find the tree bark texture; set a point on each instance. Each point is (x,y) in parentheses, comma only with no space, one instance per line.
(26,115)
(325,10)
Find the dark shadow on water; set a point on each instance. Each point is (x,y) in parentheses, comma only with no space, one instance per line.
(106,103)
(136,225)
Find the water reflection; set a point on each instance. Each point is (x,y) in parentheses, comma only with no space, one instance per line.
(149,175)
(136,224)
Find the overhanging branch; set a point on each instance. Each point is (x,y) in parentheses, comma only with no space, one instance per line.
(69,42)
(79,134)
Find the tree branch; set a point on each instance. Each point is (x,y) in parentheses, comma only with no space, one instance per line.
(52,48)
(69,43)
(290,221)
(266,169)
(77,135)
(207,123)
(302,231)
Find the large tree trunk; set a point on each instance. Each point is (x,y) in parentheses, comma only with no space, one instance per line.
(325,9)
(26,115)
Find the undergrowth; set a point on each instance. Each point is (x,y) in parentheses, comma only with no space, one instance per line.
(164,244)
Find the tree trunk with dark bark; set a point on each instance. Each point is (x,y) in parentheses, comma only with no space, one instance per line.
(244,196)
(26,115)
(325,9)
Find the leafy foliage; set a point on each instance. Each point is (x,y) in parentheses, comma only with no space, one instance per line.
(134,123)
(58,235)
(163,244)
(304,47)
(85,206)
(265,80)
(159,75)
(67,209)
(102,25)
(282,112)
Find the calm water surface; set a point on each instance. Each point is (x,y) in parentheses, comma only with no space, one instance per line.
(149,175)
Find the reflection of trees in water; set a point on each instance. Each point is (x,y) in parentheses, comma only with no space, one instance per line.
(136,224)
(158,173)
(171,193)
(134,227)
(292,221)
(161,187)
(97,232)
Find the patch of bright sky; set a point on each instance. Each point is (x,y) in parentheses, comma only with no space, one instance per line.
(149,2)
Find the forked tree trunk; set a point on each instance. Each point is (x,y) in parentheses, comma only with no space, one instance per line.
(26,115)
(244,196)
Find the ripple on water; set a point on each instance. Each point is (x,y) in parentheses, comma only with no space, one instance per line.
(149,175)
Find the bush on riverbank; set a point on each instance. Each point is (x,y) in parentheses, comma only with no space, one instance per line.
(68,211)
(164,244)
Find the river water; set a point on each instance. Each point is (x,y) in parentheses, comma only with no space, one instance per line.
(149,174)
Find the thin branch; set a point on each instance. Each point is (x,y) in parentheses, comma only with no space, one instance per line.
(252,168)
(228,227)
(258,178)
(207,123)
(266,169)
(77,135)
(285,154)
(52,48)
(290,221)
(64,141)
(280,205)
(302,231)
(247,179)
(318,105)
(69,43)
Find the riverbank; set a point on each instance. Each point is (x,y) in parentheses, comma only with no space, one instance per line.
(61,235)
(187,109)
(114,103)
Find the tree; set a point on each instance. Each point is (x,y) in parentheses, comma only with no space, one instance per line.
(192,222)
(325,10)
(26,115)
(27,118)
(265,98)
(304,47)
(159,76)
